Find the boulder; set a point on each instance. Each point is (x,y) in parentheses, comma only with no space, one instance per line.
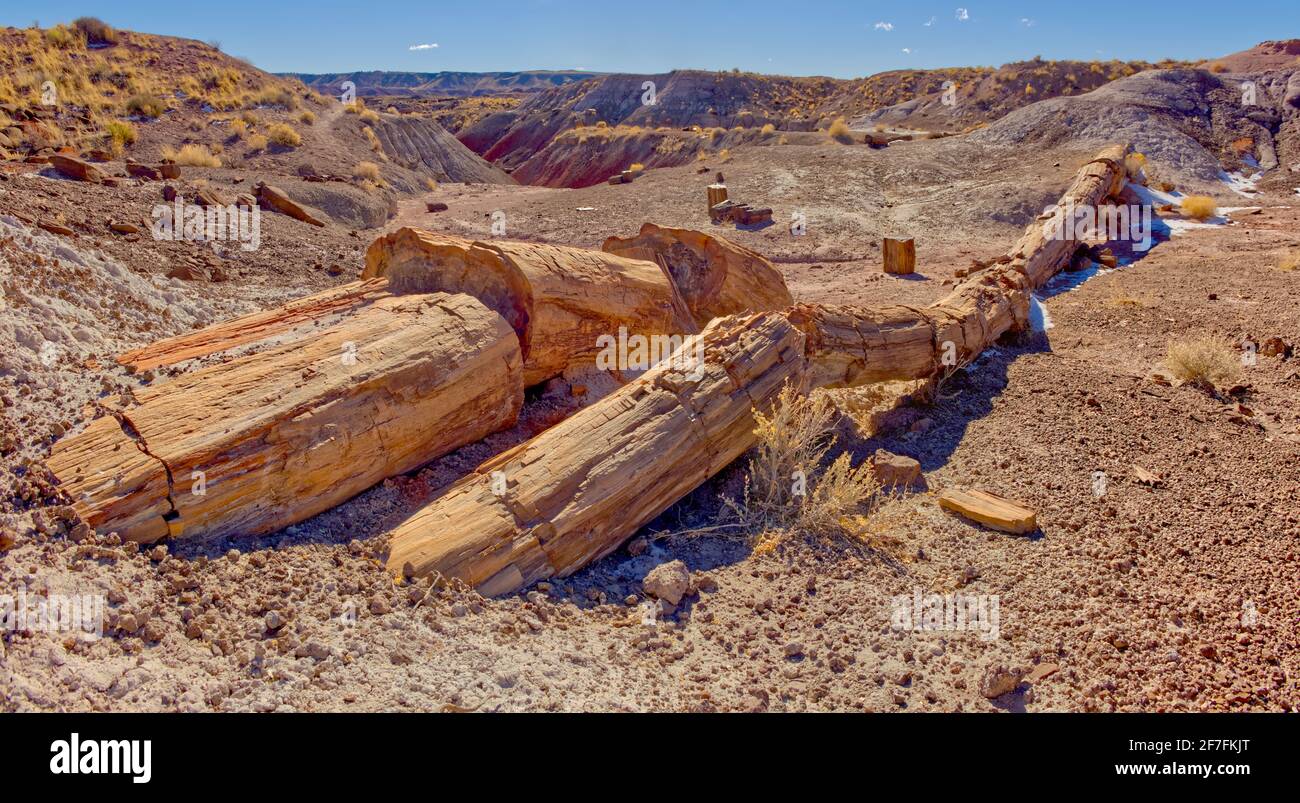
(77,169)
(895,471)
(170,171)
(277,199)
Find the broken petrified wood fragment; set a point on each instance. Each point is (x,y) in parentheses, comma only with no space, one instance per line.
(559,300)
(273,438)
(990,510)
(574,493)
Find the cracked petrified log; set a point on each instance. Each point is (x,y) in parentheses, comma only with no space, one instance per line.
(850,346)
(269,439)
(716,277)
(290,321)
(559,300)
(574,493)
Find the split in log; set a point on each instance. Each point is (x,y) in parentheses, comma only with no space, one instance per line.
(559,300)
(574,493)
(900,256)
(271,439)
(716,277)
(291,321)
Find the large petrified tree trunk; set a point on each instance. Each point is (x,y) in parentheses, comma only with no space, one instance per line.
(716,277)
(559,300)
(290,321)
(574,493)
(273,438)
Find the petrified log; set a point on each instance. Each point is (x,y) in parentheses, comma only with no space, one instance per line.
(850,346)
(716,277)
(290,321)
(899,256)
(717,194)
(559,300)
(271,197)
(268,440)
(574,493)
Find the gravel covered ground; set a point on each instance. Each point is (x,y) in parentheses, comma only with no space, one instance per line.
(1181,596)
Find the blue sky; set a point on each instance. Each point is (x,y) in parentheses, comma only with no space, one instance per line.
(794,37)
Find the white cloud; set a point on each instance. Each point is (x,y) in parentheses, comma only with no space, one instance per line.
(907,50)
(963,14)
(884,26)
(931,22)
(423,47)
(1027,22)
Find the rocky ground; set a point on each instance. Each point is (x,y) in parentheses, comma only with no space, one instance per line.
(1177,595)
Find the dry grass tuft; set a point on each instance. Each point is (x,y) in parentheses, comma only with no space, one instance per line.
(258,142)
(307,118)
(1208,361)
(1199,207)
(767,129)
(1289,262)
(146,105)
(284,135)
(786,491)
(120,134)
(369,116)
(839,131)
(366,171)
(192,155)
(1133,164)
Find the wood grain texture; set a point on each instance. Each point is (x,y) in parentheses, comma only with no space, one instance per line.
(559,300)
(575,492)
(289,321)
(284,434)
(715,276)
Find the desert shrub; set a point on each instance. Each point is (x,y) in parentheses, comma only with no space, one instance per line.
(1289,262)
(193,155)
(725,154)
(96,31)
(430,184)
(1218,68)
(238,128)
(1244,146)
(307,118)
(145,105)
(354,107)
(1199,207)
(369,116)
(839,131)
(366,171)
(258,142)
(767,129)
(786,490)
(120,133)
(637,167)
(63,37)
(284,135)
(373,139)
(1207,361)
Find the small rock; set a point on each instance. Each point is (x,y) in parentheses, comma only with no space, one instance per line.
(379,606)
(999,680)
(668,581)
(637,546)
(895,471)
(274,621)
